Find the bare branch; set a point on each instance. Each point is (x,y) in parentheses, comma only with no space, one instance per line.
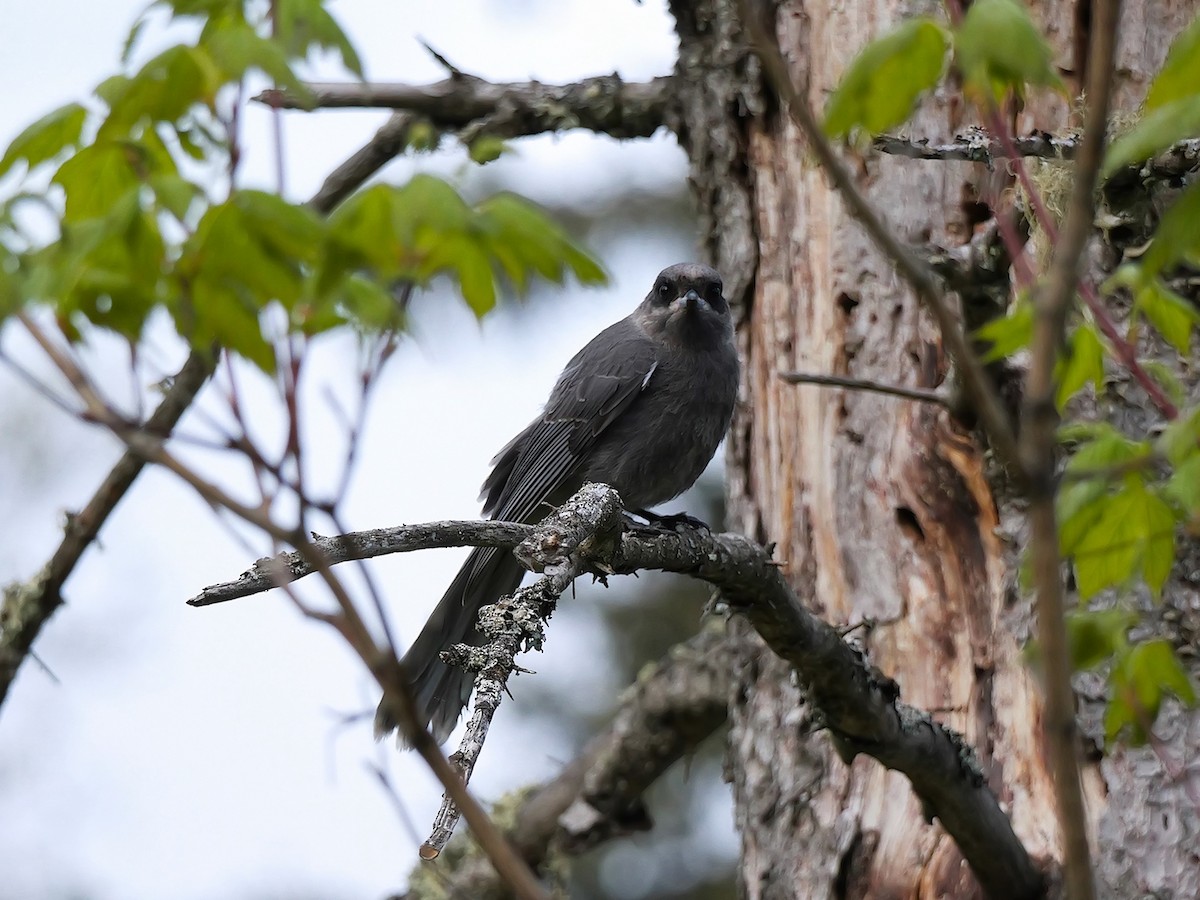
(603,104)
(858,704)
(1038,454)
(275,571)
(921,395)
(387,143)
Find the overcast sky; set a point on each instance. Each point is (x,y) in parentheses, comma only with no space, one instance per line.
(189,753)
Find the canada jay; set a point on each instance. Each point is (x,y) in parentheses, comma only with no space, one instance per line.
(642,407)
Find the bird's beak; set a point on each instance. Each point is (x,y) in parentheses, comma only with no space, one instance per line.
(691,300)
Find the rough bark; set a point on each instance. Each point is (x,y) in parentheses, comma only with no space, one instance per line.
(882,508)
(1145,801)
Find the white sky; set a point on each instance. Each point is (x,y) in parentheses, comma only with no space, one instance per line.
(195,753)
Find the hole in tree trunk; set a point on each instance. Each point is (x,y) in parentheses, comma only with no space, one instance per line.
(907,520)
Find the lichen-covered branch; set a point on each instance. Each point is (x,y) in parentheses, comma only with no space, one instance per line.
(663,717)
(276,571)
(976,145)
(515,623)
(603,104)
(859,706)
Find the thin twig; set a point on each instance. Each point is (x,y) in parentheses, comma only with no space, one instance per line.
(383,665)
(385,145)
(28,606)
(42,596)
(921,395)
(919,276)
(1038,452)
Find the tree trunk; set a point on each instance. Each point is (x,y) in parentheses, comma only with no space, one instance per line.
(883,509)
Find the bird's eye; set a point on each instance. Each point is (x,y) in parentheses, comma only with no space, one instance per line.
(664,292)
(712,293)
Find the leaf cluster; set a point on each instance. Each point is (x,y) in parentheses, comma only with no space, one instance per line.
(127,182)
(995,49)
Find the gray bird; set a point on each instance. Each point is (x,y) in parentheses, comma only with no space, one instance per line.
(642,407)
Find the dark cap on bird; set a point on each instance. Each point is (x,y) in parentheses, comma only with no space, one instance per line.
(642,407)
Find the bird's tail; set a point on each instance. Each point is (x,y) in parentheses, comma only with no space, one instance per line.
(441,691)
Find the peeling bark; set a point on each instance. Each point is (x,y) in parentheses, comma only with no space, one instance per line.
(882,508)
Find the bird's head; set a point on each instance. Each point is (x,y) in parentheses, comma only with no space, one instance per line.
(686,307)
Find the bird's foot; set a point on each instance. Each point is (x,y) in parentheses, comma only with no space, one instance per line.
(671,522)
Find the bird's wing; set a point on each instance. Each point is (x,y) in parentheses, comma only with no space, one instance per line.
(598,385)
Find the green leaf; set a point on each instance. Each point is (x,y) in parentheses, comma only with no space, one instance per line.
(1183,487)
(486,148)
(1083,498)
(363,230)
(1095,636)
(224,314)
(109,269)
(426,207)
(46,138)
(245,254)
(1009,333)
(1084,362)
(1180,440)
(96,178)
(203,8)
(425,229)
(881,86)
(1159,555)
(1099,445)
(163,90)
(226,250)
(1179,78)
(1139,681)
(305,24)
(1133,532)
(11,293)
(236,48)
(1166,125)
(1172,315)
(999,47)
(131,39)
(174,194)
(1177,238)
(1156,662)
(524,238)
(367,302)
(290,231)
(469,263)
